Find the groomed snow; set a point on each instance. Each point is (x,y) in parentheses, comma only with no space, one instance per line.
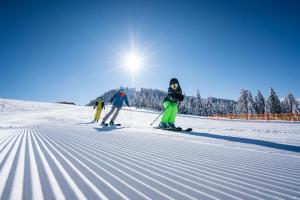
(52,151)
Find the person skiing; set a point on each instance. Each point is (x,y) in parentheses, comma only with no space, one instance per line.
(170,104)
(117,102)
(99,105)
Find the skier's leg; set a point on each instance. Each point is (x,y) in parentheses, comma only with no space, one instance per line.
(173,114)
(109,113)
(97,115)
(166,115)
(115,115)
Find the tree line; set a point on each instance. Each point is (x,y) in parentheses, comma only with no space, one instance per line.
(196,105)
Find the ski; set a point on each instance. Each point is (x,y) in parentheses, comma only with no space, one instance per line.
(107,124)
(177,129)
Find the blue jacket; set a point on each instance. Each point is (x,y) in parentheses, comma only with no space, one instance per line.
(118,99)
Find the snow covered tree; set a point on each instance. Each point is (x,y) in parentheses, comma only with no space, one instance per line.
(274,102)
(290,105)
(251,105)
(198,104)
(259,103)
(243,102)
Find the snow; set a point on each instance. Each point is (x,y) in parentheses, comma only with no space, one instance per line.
(50,150)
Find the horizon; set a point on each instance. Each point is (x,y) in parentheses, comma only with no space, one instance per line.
(62,51)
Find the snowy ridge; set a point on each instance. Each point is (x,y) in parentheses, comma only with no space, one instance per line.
(71,159)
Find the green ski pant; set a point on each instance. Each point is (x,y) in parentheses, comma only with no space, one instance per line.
(170,112)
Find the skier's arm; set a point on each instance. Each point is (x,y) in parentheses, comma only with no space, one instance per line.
(113,98)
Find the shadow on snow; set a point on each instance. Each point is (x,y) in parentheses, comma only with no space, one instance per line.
(108,128)
(263,143)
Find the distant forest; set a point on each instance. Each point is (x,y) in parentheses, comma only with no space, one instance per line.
(196,105)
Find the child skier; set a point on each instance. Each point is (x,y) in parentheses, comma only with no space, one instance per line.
(99,104)
(170,104)
(117,102)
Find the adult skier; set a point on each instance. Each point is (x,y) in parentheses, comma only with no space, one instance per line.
(99,105)
(117,102)
(170,104)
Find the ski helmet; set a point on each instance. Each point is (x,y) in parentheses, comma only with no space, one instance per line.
(122,89)
(174,83)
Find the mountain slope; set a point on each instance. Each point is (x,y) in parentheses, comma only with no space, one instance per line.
(52,151)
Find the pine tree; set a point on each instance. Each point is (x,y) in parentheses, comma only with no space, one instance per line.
(243,102)
(275,105)
(198,104)
(260,103)
(289,105)
(251,106)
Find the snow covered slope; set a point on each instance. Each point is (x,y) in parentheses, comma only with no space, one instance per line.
(50,151)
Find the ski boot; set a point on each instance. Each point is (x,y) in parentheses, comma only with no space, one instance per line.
(103,123)
(172,126)
(163,125)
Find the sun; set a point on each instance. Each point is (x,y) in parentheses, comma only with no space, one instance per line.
(133,62)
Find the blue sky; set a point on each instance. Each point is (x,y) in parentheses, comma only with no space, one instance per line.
(70,50)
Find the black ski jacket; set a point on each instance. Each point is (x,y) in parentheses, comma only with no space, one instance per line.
(174,95)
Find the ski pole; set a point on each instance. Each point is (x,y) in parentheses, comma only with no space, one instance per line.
(159,115)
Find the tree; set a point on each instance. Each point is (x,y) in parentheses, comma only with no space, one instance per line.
(290,105)
(198,104)
(242,107)
(274,102)
(259,103)
(251,105)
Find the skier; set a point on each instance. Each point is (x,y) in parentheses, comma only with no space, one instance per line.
(170,105)
(117,102)
(99,104)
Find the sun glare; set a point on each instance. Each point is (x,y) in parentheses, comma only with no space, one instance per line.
(133,62)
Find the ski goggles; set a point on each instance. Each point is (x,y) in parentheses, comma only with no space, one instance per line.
(174,86)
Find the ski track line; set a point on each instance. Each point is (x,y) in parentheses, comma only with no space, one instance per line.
(7,169)
(131,153)
(273,196)
(6,151)
(66,176)
(127,166)
(94,163)
(247,169)
(184,186)
(154,180)
(86,167)
(256,175)
(5,143)
(137,180)
(36,186)
(251,163)
(56,189)
(4,136)
(247,149)
(296,171)
(190,138)
(280,177)
(17,192)
(4,139)
(183,178)
(146,176)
